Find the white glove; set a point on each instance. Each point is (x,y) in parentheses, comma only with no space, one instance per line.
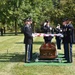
(33,35)
(50,28)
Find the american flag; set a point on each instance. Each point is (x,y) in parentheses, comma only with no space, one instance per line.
(42,34)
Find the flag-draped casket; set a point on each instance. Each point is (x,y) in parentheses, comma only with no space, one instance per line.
(48,51)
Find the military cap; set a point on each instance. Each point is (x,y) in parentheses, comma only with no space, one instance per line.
(65,19)
(30,18)
(27,19)
(47,21)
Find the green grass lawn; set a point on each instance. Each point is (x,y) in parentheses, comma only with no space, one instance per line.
(12,59)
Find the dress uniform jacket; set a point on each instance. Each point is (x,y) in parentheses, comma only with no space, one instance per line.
(68,33)
(28,39)
(47,30)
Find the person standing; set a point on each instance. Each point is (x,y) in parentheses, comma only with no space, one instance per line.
(58,38)
(67,39)
(47,29)
(28,40)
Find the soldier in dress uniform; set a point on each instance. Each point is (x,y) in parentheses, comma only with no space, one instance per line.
(47,29)
(58,38)
(28,39)
(67,30)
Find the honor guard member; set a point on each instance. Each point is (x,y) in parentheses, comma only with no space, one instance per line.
(47,29)
(67,39)
(28,39)
(58,38)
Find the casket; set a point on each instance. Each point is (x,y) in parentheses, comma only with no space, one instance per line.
(48,51)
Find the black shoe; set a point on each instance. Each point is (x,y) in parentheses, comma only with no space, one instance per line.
(63,57)
(28,62)
(69,61)
(66,62)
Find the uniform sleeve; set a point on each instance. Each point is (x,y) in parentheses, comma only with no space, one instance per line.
(45,29)
(70,30)
(27,32)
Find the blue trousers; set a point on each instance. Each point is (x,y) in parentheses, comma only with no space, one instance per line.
(58,42)
(28,52)
(68,52)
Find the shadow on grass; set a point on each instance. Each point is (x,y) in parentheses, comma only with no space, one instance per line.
(20,57)
(11,57)
(14,57)
(11,34)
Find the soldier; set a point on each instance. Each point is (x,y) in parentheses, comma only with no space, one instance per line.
(58,38)
(28,39)
(67,39)
(47,29)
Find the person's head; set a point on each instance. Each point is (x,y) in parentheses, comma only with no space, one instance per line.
(27,21)
(47,22)
(30,19)
(58,26)
(65,21)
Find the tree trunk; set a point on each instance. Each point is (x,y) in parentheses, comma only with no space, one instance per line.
(1,31)
(15,26)
(4,30)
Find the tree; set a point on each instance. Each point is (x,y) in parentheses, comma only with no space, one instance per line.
(69,9)
(12,12)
